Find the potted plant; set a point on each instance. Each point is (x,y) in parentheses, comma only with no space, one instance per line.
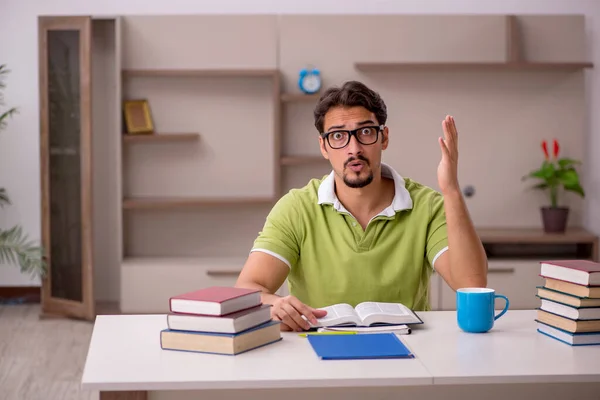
(15,247)
(557,175)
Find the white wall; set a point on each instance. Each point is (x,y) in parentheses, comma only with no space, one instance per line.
(19,143)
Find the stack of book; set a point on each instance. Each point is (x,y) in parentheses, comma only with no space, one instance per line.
(570,301)
(221,320)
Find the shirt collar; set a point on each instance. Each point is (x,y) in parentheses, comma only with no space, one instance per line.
(401,201)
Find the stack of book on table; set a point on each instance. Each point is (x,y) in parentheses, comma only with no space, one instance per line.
(570,301)
(221,320)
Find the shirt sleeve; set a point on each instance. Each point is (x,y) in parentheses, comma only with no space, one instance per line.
(280,236)
(437,234)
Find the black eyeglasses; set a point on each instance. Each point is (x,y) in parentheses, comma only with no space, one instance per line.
(365,135)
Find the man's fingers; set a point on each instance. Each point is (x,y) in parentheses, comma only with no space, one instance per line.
(319,313)
(305,310)
(285,327)
(445,151)
(445,128)
(296,317)
(286,320)
(453,130)
(450,135)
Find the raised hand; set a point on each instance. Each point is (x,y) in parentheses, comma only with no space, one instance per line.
(448,167)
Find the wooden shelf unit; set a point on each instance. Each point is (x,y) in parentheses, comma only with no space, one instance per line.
(530,243)
(165,203)
(160,137)
(514,59)
(518,66)
(514,257)
(186,73)
(250,53)
(503,235)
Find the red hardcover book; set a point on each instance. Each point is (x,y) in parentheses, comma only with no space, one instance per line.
(581,272)
(215,300)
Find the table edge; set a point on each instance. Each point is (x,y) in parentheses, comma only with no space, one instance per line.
(252,384)
(515,379)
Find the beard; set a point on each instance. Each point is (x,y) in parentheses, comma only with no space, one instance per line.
(353,179)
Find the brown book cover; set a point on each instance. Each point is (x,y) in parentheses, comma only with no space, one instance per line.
(566,298)
(569,325)
(221,343)
(574,289)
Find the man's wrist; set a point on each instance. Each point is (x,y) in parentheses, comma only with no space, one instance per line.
(269,298)
(453,193)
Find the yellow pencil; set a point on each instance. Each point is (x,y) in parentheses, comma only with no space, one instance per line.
(326,333)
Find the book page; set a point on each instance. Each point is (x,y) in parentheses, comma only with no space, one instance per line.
(399,329)
(338,314)
(391,313)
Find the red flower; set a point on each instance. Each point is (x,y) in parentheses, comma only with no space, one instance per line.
(545,148)
(556,149)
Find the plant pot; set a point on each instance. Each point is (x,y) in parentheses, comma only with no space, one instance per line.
(555,219)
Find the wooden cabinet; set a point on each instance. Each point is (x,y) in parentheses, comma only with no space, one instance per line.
(77,109)
(149,282)
(66,165)
(515,279)
(514,257)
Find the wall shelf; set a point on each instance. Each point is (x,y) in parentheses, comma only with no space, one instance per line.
(301,160)
(160,137)
(199,72)
(145,203)
(521,65)
(517,236)
(515,59)
(535,244)
(299,97)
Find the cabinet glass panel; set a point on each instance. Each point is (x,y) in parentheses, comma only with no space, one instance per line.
(65,163)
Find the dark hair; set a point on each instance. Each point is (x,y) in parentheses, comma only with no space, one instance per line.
(351,94)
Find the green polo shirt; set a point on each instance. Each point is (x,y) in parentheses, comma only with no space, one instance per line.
(333,260)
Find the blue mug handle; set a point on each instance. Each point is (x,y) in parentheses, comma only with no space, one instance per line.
(505,307)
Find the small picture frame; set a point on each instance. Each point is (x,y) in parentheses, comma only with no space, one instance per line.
(137,117)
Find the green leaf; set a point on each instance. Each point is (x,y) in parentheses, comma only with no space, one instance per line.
(3,197)
(568,177)
(576,188)
(545,172)
(15,248)
(548,170)
(567,162)
(536,174)
(5,116)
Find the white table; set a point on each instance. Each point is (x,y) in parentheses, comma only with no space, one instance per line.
(512,352)
(125,361)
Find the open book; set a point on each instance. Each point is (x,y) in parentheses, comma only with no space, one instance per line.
(367,314)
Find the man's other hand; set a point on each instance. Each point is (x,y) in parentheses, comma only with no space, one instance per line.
(289,310)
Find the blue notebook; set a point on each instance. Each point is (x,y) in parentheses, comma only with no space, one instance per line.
(361,346)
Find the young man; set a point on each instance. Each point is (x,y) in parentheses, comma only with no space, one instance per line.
(363,233)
